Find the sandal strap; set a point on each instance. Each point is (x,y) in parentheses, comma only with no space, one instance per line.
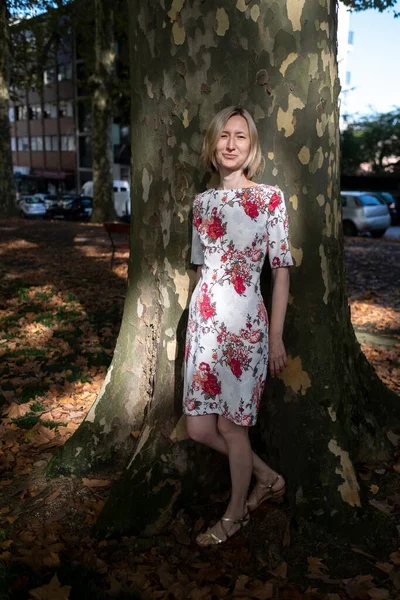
(271,485)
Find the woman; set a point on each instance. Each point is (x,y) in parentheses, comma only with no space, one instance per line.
(234,227)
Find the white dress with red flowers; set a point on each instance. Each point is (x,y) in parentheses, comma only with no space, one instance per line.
(226,353)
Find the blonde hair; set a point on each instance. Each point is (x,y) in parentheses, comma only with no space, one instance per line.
(213,134)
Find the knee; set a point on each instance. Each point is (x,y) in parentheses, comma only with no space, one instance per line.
(199,434)
(229,430)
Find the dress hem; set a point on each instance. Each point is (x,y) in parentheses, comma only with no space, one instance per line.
(216,412)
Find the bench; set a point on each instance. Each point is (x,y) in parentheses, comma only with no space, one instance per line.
(119,236)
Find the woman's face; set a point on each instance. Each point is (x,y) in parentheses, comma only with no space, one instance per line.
(234,144)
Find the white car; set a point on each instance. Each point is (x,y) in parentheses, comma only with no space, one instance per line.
(364,212)
(121,191)
(31,206)
(50,200)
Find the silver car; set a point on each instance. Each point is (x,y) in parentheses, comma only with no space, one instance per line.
(31,206)
(363,212)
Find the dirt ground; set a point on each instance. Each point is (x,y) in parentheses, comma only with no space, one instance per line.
(60,311)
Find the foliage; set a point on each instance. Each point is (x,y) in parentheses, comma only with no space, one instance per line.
(372,139)
(380,5)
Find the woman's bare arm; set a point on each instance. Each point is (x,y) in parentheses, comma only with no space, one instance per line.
(280,294)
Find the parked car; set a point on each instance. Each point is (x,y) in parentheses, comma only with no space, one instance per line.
(50,200)
(364,212)
(31,206)
(122,201)
(391,202)
(73,207)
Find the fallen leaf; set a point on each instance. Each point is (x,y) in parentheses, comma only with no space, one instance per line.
(95,482)
(385,567)
(15,410)
(395,558)
(393,437)
(378,593)
(374,489)
(382,506)
(52,591)
(315,565)
(280,570)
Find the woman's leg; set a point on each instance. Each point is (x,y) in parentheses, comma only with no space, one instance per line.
(240,462)
(205,429)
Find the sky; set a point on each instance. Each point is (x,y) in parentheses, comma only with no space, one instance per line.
(374,62)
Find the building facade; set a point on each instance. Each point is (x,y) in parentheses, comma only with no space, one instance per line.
(51,131)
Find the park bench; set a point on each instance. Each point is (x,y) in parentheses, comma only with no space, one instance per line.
(119,236)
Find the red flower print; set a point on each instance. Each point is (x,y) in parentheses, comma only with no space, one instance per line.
(276,261)
(187,348)
(224,258)
(211,385)
(256,256)
(215,229)
(274,201)
(239,285)
(203,366)
(246,420)
(235,366)
(197,222)
(251,209)
(190,405)
(283,247)
(255,336)
(214,355)
(206,310)
(219,339)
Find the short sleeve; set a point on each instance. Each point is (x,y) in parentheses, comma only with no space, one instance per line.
(278,232)
(197,255)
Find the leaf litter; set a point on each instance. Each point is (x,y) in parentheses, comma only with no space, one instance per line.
(60,312)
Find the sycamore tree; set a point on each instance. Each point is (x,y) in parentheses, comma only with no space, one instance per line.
(328,410)
(7,188)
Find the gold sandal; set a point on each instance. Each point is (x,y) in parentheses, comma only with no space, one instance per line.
(260,496)
(208,538)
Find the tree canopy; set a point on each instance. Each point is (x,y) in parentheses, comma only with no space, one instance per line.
(380,5)
(372,139)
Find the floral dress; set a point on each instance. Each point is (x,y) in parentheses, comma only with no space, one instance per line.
(226,352)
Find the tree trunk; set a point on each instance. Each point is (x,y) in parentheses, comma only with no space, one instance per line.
(7,190)
(103,203)
(328,409)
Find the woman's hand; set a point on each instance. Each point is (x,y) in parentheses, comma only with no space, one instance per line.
(277,355)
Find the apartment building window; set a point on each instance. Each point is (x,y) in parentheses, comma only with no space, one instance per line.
(65,72)
(37,143)
(21,112)
(11,114)
(65,109)
(35,111)
(67,143)
(50,110)
(13,144)
(23,144)
(51,143)
(49,76)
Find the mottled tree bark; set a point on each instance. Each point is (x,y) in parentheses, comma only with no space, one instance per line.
(7,189)
(328,409)
(103,204)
